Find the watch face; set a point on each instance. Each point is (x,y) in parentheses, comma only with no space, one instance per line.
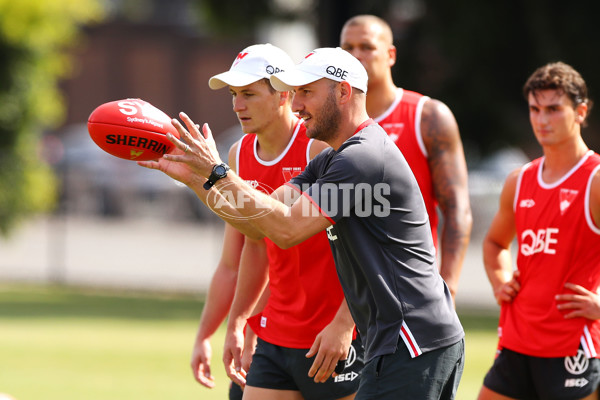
(220,170)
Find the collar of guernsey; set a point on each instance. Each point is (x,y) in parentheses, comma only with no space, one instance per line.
(364,125)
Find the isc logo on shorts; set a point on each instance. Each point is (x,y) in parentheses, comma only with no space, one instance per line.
(579,382)
(350,376)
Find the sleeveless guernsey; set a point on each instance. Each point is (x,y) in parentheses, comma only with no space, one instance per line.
(305,292)
(402,122)
(557,243)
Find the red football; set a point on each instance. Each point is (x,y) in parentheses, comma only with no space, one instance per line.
(132,129)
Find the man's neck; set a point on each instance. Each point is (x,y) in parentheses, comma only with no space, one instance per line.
(380,98)
(348,129)
(273,140)
(558,160)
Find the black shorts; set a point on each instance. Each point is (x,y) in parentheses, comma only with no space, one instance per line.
(235,391)
(432,375)
(525,377)
(284,368)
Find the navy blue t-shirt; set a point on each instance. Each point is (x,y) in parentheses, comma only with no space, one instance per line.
(382,244)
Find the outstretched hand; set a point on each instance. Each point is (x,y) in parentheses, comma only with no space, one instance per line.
(193,156)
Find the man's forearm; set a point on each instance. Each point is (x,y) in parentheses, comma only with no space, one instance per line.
(220,205)
(252,279)
(265,214)
(218,301)
(455,241)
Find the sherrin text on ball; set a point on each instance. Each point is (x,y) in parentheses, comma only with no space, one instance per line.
(132,129)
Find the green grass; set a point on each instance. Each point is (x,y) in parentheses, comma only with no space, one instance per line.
(480,346)
(73,344)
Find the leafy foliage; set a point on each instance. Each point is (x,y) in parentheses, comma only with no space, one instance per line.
(34,35)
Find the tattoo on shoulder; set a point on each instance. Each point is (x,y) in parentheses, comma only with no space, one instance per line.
(438,127)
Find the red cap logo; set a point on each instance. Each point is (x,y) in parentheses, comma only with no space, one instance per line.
(239,58)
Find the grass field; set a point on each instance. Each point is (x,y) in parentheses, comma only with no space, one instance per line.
(75,344)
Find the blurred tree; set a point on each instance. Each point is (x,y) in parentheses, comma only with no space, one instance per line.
(34,35)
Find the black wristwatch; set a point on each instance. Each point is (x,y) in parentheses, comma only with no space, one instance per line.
(219,171)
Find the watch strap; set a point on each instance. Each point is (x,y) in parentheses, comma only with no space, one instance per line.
(214,176)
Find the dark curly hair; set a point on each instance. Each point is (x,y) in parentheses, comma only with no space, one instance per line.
(562,77)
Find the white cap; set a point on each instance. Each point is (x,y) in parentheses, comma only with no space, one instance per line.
(252,64)
(328,62)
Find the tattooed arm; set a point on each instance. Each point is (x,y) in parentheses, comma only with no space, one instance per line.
(449,175)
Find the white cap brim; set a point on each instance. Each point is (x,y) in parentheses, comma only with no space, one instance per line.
(232,78)
(288,80)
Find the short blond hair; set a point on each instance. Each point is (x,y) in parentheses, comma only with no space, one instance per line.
(366,19)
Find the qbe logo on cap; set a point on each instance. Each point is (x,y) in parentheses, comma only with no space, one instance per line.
(337,72)
(273,70)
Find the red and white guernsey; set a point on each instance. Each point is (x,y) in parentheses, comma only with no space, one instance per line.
(305,289)
(402,122)
(558,243)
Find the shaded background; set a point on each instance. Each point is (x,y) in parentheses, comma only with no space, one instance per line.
(473,55)
(70,213)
